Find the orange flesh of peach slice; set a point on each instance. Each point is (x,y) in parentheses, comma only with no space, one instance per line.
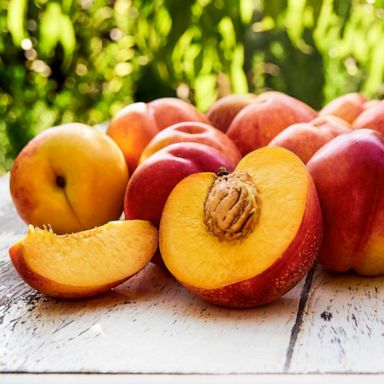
(198,258)
(87,261)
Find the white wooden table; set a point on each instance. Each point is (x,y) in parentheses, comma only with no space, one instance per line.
(329,329)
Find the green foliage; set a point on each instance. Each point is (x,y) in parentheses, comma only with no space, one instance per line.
(83,60)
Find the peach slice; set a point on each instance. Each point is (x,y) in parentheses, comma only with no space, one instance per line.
(86,263)
(246,238)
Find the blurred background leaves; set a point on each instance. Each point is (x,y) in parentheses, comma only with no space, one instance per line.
(83,60)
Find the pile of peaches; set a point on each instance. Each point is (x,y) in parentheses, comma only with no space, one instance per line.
(237,204)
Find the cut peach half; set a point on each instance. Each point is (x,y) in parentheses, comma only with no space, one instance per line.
(246,238)
(85,263)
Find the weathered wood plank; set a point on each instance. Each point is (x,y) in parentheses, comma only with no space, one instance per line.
(5,196)
(343,326)
(148,325)
(11,226)
(189,379)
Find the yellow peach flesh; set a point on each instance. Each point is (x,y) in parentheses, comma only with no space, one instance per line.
(92,258)
(199,259)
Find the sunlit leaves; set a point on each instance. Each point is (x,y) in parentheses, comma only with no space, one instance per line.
(83,60)
(238,77)
(205,89)
(246,10)
(16,20)
(55,28)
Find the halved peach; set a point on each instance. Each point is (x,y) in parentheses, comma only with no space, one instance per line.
(86,263)
(246,238)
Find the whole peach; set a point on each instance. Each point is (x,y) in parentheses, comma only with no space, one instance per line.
(372,118)
(136,124)
(304,139)
(70,177)
(192,132)
(258,123)
(346,107)
(224,110)
(349,176)
(155,178)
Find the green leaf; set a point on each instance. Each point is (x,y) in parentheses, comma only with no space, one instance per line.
(67,39)
(275,8)
(205,91)
(67,5)
(316,9)
(295,19)
(238,78)
(50,28)
(246,11)
(15,20)
(227,32)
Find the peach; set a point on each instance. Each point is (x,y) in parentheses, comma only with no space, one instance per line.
(224,110)
(258,123)
(70,177)
(168,111)
(243,239)
(304,139)
(155,178)
(193,132)
(136,124)
(349,176)
(370,103)
(86,263)
(346,107)
(372,118)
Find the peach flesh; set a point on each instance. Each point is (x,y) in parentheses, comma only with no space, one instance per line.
(261,266)
(86,263)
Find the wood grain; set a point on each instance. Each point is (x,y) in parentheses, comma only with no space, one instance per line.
(153,330)
(189,379)
(343,326)
(148,325)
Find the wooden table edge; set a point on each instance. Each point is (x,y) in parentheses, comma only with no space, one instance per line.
(120,378)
